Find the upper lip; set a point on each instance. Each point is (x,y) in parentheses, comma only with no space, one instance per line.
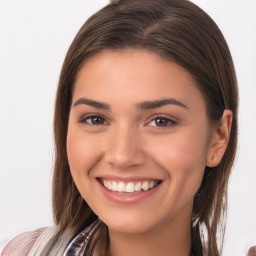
(127,179)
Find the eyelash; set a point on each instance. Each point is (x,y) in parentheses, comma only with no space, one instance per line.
(85,119)
(169,121)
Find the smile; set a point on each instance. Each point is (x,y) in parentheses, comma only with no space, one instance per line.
(129,187)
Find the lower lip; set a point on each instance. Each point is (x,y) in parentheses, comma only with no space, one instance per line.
(127,198)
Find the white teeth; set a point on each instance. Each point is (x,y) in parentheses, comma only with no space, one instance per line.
(109,185)
(114,186)
(145,186)
(120,187)
(137,187)
(129,187)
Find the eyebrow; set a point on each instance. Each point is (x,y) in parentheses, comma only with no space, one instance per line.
(159,103)
(92,103)
(140,106)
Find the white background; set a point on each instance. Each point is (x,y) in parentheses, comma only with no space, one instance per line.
(34,37)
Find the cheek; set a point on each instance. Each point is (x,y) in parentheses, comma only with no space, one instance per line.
(82,152)
(189,152)
(183,156)
(182,149)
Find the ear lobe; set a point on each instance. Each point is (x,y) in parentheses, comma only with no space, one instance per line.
(219,140)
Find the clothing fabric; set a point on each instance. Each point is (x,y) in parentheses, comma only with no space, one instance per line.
(35,243)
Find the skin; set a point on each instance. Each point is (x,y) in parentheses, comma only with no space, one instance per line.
(127,142)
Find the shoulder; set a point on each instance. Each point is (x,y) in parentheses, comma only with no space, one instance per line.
(22,244)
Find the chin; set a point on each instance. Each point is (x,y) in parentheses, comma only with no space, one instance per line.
(130,224)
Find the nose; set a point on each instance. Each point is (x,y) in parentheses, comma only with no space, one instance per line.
(124,148)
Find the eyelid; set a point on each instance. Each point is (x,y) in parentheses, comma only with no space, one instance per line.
(173,121)
(83,118)
(169,118)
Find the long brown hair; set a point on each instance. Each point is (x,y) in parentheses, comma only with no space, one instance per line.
(177,30)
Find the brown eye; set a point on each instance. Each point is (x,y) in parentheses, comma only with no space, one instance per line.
(162,122)
(94,120)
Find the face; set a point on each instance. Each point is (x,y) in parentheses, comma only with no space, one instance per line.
(138,138)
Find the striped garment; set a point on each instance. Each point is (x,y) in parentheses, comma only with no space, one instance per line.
(35,243)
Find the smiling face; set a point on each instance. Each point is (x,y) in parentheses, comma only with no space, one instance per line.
(138,138)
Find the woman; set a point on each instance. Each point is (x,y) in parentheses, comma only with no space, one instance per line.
(145,131)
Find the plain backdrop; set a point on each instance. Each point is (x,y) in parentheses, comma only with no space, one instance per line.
(34,37)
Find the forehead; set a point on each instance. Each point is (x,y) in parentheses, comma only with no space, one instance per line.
(134,75)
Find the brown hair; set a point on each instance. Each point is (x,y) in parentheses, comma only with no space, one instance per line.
(177,30)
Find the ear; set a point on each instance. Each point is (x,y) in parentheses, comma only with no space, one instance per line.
(219,140)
